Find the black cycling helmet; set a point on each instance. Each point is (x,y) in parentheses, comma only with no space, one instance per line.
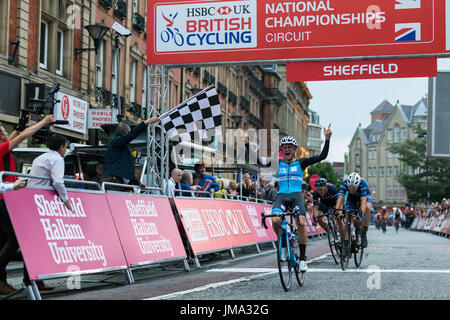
(321,182)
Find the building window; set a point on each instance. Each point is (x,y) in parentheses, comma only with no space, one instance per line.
(133,81)
(396,171)
(357,159)
(403,133)
(358,143)
(374,155)
(389,171)
(114,72)
(396,134)
(4,19)
(389,134)
(99,65)
(43,55)
(369,172)
(54,43)
(389,154)
(144,88)
(381,172)
(60,52)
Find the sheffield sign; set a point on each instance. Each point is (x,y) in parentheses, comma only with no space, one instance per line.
(183,32)
(361,69)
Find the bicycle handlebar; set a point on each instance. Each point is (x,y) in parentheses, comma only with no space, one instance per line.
(283,215)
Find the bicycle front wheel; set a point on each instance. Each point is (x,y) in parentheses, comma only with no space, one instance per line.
(359,250)
(333,241)
(284,265)
(346,248)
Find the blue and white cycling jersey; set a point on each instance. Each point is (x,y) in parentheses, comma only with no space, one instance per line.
(362,191)
(290,175)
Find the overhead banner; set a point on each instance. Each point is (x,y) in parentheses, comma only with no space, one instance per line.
(55,241)
(361,69)
(183,32)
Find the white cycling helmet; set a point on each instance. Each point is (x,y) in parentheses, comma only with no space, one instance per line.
(288,140)
(353,180)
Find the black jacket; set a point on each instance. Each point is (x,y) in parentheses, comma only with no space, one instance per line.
(119,161)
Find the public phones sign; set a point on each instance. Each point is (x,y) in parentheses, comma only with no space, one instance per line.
(183,32)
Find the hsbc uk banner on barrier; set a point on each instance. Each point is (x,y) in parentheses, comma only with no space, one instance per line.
(183,32)
(56,241)
(147,228)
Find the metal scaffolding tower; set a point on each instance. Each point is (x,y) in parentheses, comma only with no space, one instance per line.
(157,169)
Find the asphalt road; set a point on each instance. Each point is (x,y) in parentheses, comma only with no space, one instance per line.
(406,265)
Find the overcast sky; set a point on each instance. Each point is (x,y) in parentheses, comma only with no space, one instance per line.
(347,103)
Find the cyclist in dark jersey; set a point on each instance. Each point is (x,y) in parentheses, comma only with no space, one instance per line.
(325,197)
(290,177)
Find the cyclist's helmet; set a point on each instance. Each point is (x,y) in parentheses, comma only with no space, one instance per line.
(288,140)
(321,182)
(353,180)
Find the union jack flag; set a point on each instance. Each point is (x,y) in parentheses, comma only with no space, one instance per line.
(407,4)
(407,32)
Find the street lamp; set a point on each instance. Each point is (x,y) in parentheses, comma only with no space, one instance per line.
(97,32)
(237,118)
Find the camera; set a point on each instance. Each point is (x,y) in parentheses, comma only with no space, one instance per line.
(40,108)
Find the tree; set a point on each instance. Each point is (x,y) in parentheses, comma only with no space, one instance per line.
(430,178)
(325,170)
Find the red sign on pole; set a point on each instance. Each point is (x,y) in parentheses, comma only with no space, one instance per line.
(363,69)
(183,32)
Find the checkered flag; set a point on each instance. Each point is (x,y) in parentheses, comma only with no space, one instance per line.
(200,113)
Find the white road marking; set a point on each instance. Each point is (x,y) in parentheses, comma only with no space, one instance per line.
(264,272)
(273,270)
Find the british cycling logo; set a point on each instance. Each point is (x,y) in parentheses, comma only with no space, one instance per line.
(171,35)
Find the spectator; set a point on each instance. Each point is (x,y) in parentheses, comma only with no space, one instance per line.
(273,192)
(262,188)
(247,187)
(206,182)
(8,241)
(222,192)
(187,183)
(5,224)
(98,172)
(174,183)
(119,163)
(232,191)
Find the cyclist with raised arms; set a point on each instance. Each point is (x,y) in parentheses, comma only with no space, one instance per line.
(325,197)
(290,177)
(358,193)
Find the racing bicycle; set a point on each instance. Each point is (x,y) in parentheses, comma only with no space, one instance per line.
(288,240)
(333,235)
(351,239)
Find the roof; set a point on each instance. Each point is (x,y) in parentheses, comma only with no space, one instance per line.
(384,107)
(419,109)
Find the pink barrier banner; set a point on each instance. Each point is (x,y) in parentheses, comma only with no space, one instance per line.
(146,227)
(253,212)
(56,241)
(310,229)
(236,222)
(421,223)
(267,209)
(205,228)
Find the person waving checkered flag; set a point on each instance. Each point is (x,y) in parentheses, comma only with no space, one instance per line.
(200,113)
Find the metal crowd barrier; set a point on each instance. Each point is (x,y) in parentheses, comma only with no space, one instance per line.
(81,182)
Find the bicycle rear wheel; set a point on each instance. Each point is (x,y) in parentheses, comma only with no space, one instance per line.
(346,249)
(359,250)
(284,267)
(333,241)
